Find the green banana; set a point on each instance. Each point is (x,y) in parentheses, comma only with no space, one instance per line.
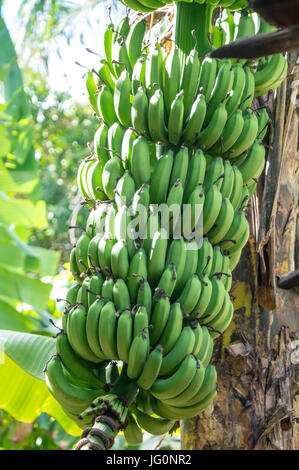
(144,296)
(195,120)
(176,119)
(121,295)
(156,117)
(76,333)
(177,382)
(76,399)
(124,335)
(207,76)
(132,432)
(100,144)
(211,208)
(180,350)
(223,222)
(158,191)
(159,318)
(121,99)
(138,354)
(157,257)
(231,132)
(140,161)
(151,368)
(120,259)
(152,425)
(172,72)
(106,330)
(189,80)
(196,173)
(92,326)
(134,40)
(180,167)
(139,112)
(112,171)
(72,363)
(105,105)
(168,280)
(211,133)
(137,271)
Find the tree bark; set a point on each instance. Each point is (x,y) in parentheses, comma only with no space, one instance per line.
(257,358)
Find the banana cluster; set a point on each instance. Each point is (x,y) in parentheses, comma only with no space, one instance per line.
(215,191)
(152,291)
(147,6)
(268,72)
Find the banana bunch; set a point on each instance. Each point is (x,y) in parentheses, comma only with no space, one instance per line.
(174,164)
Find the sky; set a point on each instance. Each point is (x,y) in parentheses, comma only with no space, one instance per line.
(87,32)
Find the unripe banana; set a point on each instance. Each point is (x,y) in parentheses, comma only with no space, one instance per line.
(139,112)
(144,296)
(115,137)
(121,295)
(195,120)
(92,327)
(112,171)
(137,271)
(120,259)
(76,399)
(121,99)
(138,354)
(207,76)
(180,167)
(156,117)
(132,432)
(151,368)
(189,80)
(172,77)
(159,318)
(176,119)
(211,209)
(107,329)
(124,335)
(105,105)
(196,173)
(158,191)
(140,161)
(152,425)
(211,133)
(100,144)
(177,382)
(134,40)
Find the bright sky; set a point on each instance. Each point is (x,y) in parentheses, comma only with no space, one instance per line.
(87,31)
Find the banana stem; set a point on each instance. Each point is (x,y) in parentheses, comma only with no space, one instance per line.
(101,435)
(189,17)
(125,387)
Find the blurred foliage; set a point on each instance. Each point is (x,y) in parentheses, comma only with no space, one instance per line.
(44,434)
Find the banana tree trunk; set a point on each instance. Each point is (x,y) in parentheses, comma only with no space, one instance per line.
(257,358)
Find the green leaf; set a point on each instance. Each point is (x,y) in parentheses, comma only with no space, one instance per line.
(31,352)
(23,213)
(11,319)
(18,182)
(25,394)
(48,260)
(26,397)
(24,288)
